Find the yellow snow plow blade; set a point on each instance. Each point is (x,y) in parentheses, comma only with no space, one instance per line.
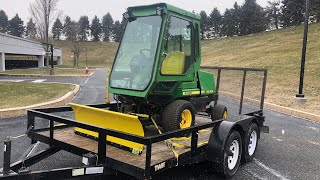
(111,120)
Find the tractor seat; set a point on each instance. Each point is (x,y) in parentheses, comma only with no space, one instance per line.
(174,63)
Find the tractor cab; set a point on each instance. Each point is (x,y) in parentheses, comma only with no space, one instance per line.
(158,54)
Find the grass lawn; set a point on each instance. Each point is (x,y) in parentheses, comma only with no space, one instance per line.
(44,71)
(99,54)
(15,94)
(279,52)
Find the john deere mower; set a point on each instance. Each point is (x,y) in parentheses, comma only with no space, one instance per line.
(155,76)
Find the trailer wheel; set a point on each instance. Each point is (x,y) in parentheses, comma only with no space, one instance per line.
(179,114)
(250,143)
(232,156)
(219,112)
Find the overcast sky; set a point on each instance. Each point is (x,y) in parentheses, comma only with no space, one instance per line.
(76,8)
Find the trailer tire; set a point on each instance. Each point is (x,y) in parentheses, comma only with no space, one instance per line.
(232,156)
(172,115)
(250,143)
(219,112)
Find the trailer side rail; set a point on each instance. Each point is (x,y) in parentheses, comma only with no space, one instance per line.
(102,144)
(244,78)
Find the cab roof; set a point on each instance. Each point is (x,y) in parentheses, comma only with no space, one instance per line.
(167,7)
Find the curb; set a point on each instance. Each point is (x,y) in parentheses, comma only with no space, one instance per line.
(278,108)
(18,111)
(38,75)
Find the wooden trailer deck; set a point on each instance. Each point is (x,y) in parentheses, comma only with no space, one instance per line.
(160,152)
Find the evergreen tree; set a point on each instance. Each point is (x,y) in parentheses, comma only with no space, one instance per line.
(315,10)
(236,15)
(292,12)
(57,29)
(228,27)
(107,25)
(84,28)
(67,29)
(203,24)
(253,18)
(31,30)
(3,21)
(118,30)
(96,29)
(75,33)
(16,27)
(273,12)
(215,22)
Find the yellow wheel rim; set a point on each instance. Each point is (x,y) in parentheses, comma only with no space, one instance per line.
(225,115)
(186,119)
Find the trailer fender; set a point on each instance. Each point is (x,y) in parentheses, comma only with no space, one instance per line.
(219,135)
(217,140)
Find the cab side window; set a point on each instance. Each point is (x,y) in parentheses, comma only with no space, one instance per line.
(178,47)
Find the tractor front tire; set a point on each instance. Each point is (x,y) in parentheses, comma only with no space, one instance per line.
(179,114)
(219,112)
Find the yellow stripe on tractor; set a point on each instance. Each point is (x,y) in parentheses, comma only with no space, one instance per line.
(111,120)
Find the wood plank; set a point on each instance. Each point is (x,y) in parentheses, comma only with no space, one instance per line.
(160,152)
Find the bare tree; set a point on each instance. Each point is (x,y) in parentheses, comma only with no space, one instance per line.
(75,42)
(44,12)
(77,47)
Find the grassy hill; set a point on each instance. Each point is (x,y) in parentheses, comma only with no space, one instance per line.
(278,51)
(100,54)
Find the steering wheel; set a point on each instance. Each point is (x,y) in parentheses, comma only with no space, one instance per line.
(142,52)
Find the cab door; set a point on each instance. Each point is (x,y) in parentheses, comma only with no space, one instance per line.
(177,62)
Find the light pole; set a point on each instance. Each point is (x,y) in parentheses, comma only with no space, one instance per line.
(304,49)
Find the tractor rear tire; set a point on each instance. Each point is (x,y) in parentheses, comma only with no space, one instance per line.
(219,112)
(179,114)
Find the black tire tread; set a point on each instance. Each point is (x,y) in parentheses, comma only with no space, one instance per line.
(217,112)
(170,115)
(219,168)
(245,157)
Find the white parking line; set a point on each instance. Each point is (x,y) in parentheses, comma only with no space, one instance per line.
(39,80)
(270,170)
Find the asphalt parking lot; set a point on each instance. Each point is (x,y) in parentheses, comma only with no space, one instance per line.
(290,151)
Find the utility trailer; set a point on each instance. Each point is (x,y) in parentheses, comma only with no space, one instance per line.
(222,142)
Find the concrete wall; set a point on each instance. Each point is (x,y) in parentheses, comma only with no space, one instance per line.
(15,45)
(2,61)
(21,46)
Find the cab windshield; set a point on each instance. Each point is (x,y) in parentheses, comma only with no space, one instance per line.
(136,55)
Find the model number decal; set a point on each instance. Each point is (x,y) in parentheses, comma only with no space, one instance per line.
(159,166)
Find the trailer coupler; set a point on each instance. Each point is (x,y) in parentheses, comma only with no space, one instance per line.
(6,157)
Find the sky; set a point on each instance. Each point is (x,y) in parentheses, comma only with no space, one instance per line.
(77,8)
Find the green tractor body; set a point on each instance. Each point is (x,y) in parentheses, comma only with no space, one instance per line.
(159,57)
